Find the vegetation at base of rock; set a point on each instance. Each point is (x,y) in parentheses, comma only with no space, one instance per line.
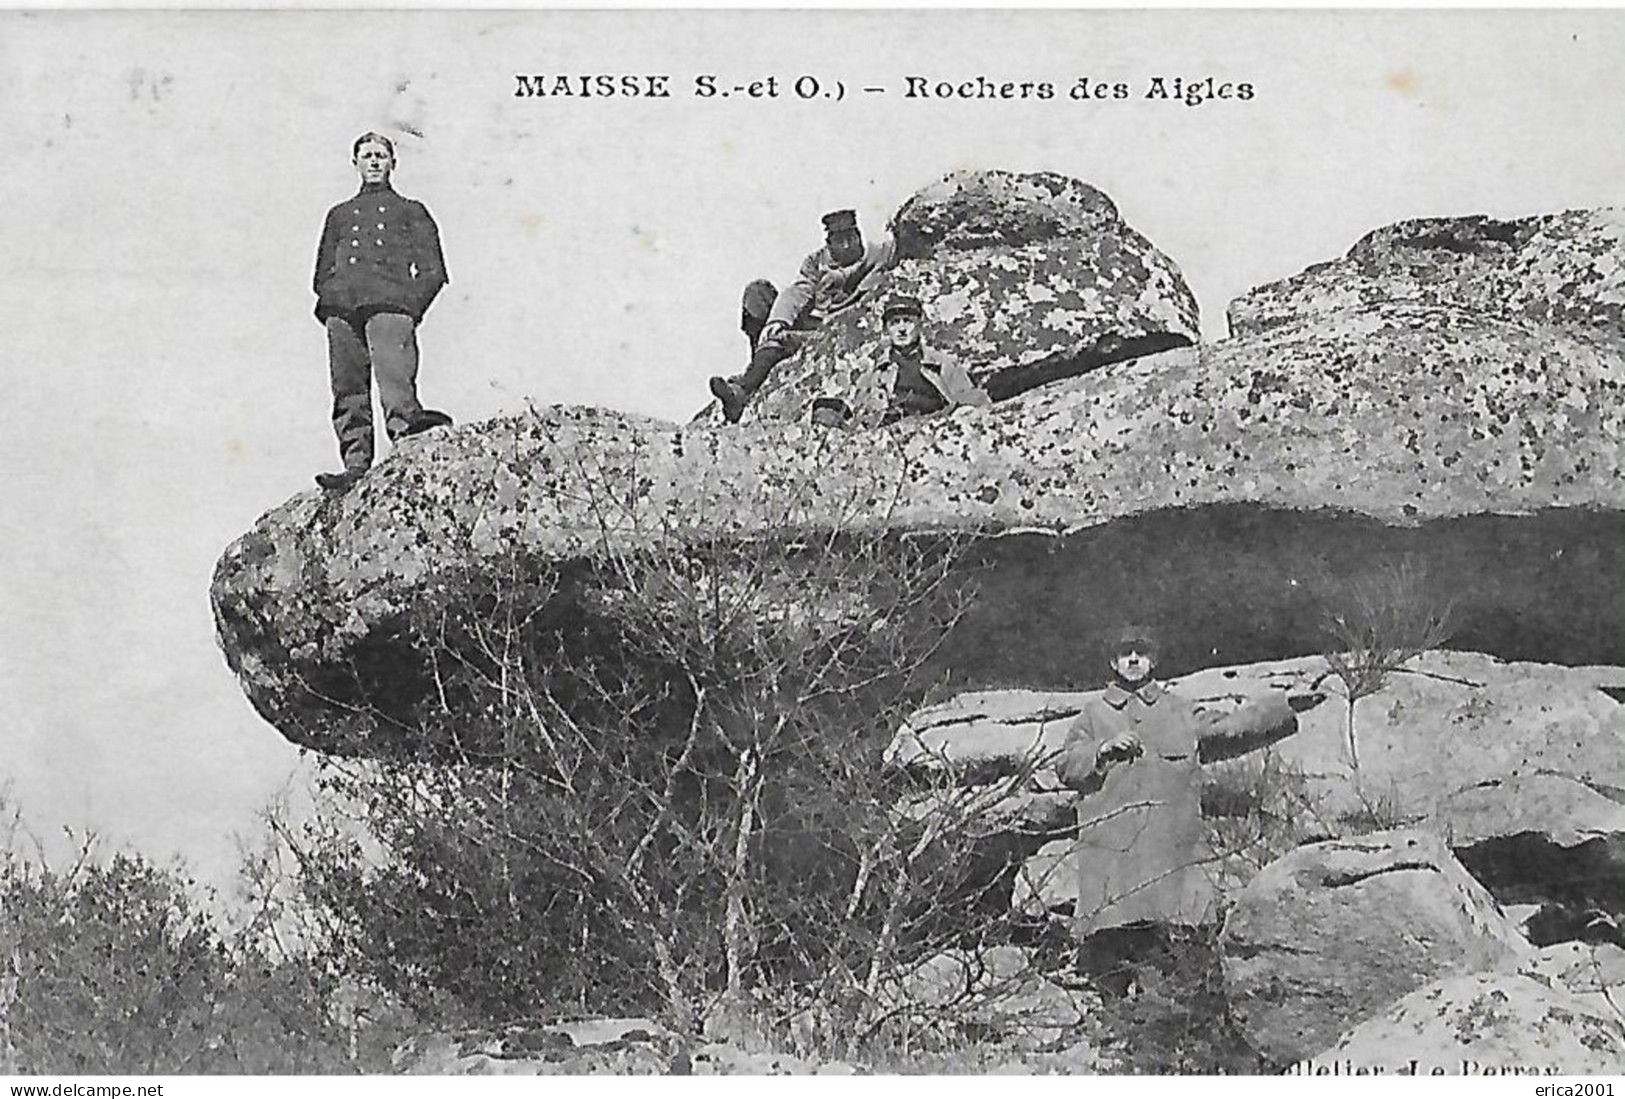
(1377,621)
(115,965)
(676,829)
(1257,808)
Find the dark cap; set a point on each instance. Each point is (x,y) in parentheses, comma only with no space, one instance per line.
(830,411)
(1131,637)
(837,220)
(901,305)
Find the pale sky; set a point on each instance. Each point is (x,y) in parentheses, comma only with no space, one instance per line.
(164,180)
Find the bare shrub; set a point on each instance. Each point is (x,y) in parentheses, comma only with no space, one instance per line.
(1377,812)
(1257,808)
(1376,622)
(652,780)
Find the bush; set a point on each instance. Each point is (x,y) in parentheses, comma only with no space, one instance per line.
(116,966)
(653,784)
(1376,622)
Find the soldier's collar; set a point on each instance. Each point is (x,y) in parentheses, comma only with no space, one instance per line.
(1117,695)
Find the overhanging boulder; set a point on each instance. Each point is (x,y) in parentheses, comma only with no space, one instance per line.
(1207,489)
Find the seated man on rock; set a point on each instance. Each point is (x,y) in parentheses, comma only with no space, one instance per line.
(835,277)
(926,382)
(1134,755)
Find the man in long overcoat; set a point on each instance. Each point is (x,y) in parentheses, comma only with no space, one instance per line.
(835,277)
(378,269)
(1135,755)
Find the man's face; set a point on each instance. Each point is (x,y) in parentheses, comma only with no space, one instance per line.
(1133,663)
(374,162)
(845,246)
(902,330)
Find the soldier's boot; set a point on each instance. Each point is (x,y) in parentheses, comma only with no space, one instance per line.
(731,395)
(426,420)
(340,482)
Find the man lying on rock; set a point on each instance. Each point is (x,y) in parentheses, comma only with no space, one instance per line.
(1134,755)
(926,382)
(835,277)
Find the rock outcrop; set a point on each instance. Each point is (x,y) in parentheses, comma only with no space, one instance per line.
(1024,278)
(1334,932)
(1209,489)
(1559,270)
(1521,766)
(1481,1024)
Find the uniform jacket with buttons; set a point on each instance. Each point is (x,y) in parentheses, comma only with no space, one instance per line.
(378,251)
(947,384)
(1140,849)
(822,288)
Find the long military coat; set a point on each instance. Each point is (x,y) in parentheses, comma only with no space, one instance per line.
(1140,850)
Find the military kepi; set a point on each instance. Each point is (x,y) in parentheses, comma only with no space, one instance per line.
(1135,636)
(901,305)
(837,220)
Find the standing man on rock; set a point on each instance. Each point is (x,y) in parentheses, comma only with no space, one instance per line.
(1135,755)
(926,382)
(835,277)
(378,269)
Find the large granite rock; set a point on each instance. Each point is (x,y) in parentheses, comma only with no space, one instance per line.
(1494,337)
(1024,279)
(1334,932)
(1565,270)
(1206,489)
(1521,766)
(1480,1024)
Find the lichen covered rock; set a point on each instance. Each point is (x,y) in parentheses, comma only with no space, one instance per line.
(1481,1024)
(1200,487)
(1024,279)
(1564,270)
(1334,932)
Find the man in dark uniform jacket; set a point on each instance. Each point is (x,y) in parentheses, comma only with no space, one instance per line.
(378,268)
(925,382)
(831,279)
